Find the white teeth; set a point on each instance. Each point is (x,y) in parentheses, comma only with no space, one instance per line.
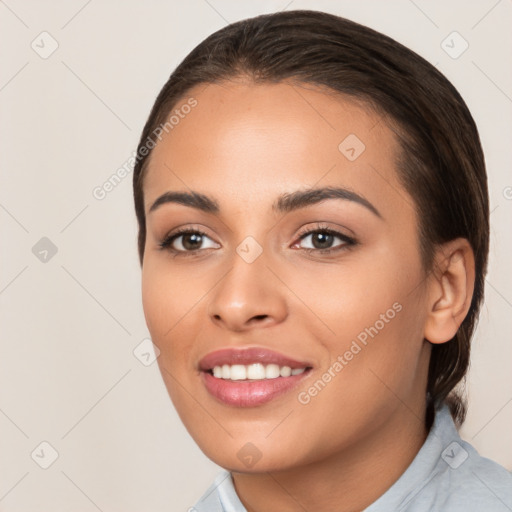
(238,372)
(254,371)
(272,371)
(226,371)
(285,371)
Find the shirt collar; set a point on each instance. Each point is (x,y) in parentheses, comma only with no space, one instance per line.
(424,466)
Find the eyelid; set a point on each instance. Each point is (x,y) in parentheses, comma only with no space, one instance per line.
(171,237)
(322,226)
(347,241)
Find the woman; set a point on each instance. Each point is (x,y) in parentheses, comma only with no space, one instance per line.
(313,233)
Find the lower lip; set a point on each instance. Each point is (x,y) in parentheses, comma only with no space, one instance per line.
(250,393)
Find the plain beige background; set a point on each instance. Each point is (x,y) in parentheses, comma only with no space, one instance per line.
(70,321)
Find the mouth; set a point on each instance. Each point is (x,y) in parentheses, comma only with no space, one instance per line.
(250,377)
(254,371)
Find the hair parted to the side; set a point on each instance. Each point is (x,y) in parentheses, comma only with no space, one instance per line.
(441,164)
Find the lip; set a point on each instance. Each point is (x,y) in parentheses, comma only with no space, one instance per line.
(249,393)
(247,356)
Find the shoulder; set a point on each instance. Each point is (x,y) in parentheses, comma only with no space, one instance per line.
(460,478)
(464,480)
(448,474)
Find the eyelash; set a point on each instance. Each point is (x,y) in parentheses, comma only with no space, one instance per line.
(167,242)
(348,241)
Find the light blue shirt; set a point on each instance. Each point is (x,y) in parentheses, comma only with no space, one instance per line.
(446,475)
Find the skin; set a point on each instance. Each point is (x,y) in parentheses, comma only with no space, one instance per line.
(244,145)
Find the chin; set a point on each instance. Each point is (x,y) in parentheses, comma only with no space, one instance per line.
(259,456)
(251,461)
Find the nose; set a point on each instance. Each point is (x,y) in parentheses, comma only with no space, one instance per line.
(249,296)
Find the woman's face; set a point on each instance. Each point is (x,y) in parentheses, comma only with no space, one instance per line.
(283,279)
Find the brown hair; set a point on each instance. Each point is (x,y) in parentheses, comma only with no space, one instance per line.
(441,163)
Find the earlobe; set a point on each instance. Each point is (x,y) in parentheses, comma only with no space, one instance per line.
(450,290)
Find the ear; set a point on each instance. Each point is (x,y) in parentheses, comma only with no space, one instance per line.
(450,290)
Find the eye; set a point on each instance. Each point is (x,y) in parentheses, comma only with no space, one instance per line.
(323,240)
(187,240)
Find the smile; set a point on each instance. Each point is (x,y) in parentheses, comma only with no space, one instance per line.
(250,377)
(254,371)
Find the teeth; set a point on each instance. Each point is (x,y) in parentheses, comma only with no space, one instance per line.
(285,371)
(238,372)
(226,371)
(272,371)
(255,371)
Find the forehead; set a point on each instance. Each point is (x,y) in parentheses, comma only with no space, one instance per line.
(244,141)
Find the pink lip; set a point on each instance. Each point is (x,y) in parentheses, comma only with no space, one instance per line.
(249,393)
(248,356)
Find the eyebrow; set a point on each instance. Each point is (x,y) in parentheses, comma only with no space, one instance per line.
(284,204)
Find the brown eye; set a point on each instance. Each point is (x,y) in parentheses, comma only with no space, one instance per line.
(323,240)
(191,241)
(188,241)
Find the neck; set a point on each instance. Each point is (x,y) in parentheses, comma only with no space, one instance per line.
(347,481)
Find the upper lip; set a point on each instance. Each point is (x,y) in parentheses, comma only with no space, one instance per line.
(248,356)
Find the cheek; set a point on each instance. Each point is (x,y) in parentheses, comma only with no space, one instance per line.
(168,294)
(370,313)
(168,299)
(351,296)
(372,370)
(155,302)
